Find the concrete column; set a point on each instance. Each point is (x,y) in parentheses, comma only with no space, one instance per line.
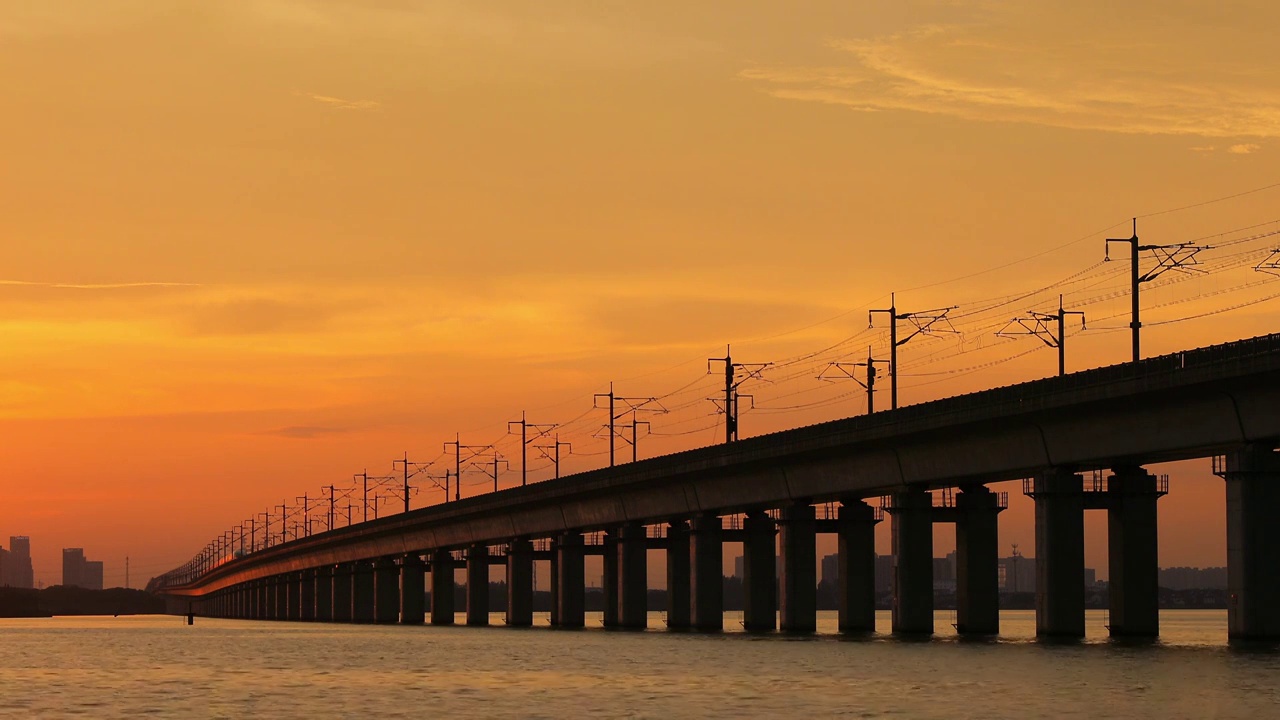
(706,573)
(678,575)
(912,526)
(362,593)
(798,579)
(555,586)
(609,578)
(324,594)
(1132,553)
(307,595)
(760,573)
(520,583)
(413,595)
(293,605)
(633,577)
(570,581)
(342,584)
(260,600)
(386,591)
(1253,543)
(977,561)
(1059,498)
(478,585)
(280,607)
(442,571)
(856,566)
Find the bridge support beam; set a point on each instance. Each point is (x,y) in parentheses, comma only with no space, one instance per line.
(760,573)
(413,595)
(478,585)
(798,580)
(706,573)
(633,577)
(678,575)
(609,578)
(362,593)
(569,581)
(1253,543)
(442,572)
(280,599)
(856,567)
(386,591)
(324,594)
(1059,498)
(520,583)
(262,601)
(307,595)
(1133,553)
(293,603)
(343,575)
(912,525)
(977,561)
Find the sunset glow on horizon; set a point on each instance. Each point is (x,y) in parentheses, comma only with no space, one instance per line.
(249,249)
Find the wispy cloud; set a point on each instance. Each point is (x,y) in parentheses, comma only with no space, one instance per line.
(1016,63)
(1244,148)
(98,286)
(306,432)
(343,104)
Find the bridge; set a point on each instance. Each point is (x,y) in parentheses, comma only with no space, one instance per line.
(1077,442)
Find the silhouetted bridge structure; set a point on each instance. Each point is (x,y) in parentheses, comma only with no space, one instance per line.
(1220,401)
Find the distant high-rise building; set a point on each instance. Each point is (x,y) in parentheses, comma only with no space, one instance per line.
(830,568)
(79,572)
(16,570)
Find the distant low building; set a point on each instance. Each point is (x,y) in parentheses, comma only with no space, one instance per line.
(1189,578)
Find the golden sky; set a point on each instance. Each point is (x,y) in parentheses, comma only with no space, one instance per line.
(249,248)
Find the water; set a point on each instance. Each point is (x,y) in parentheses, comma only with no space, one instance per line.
(125,667)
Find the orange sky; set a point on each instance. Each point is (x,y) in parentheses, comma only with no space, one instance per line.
(250,248)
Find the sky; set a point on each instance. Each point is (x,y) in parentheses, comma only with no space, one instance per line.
(250,249)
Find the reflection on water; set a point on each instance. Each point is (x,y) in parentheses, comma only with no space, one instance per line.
(124,667)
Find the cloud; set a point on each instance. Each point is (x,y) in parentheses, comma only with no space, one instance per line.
(1026,63)
(1244,149)
(99,286)
(305,432)
(341,104)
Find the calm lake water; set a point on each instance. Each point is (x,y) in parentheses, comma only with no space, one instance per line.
(157,666)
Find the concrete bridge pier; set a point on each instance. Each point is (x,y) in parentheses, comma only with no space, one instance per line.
(259,591)
(912,529)
(609,577)
(554,568)
(520,583)
(442,610)
(293,604)
(570,578)
(341,602)
(413,595)
(478,585)
(706,573)
(633,577)
(856,566)
(386,591)
(798,580)
(678,575)
(307,595)
(977,561)
(1059,498)
(1253,543)
(362,593)
(324,593)
(1132,548)
(280,597)
(760,573)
